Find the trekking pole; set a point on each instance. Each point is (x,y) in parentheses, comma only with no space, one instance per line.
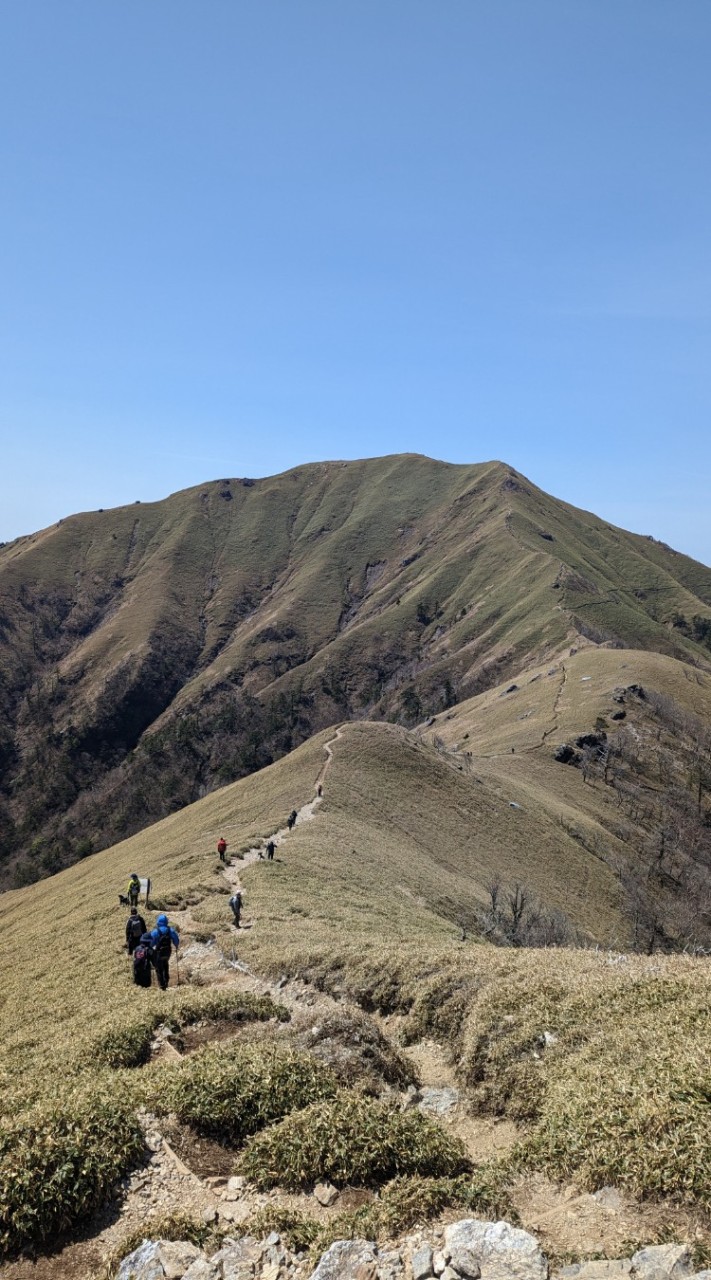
(177,967)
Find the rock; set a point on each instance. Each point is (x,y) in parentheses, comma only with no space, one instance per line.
(272,1240)
(143,1264)
(670,1260)
(235,1184)
(599,1269)
(209,1214)
(410,1098)
(701,1275)
(237,1259)
(422,1263)
(325,1193)
(176,1256)
(609,1198)
(202,1269)
(390,1264)
(439,1262)
(348,1260)
(450,1274)
(494,1250)
(549,1039)
(438,1101)
(271,1272)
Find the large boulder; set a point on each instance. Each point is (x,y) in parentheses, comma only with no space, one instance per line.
(494,1251)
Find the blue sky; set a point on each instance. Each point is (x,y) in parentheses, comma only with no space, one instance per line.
(243,234)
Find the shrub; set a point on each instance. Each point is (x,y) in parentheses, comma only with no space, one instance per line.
(401,1205)
(229,1092)
(128,1044)
(351,1140)
(59,1161)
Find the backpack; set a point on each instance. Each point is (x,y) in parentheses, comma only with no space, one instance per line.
(142,965)
(236,901)
(163,947)
(135,927)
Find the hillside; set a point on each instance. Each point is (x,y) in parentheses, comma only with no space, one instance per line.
(151,653)
(362,910)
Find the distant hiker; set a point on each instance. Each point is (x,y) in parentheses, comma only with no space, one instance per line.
(270,850)
(291,820)
(142,956)
(319,789)
(134,890)
(222,848)
(135,928)
(163,939)
(236,905)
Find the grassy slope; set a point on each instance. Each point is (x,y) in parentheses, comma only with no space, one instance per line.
(363,899)
(345,587)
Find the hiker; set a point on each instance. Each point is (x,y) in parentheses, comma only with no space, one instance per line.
(319,789)
(222,848)
(142,956)
(236,905)
(135,928)
(291,820)
(270,850)
(163,939)
(134,890)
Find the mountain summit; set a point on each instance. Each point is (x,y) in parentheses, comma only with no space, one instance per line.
(153,652)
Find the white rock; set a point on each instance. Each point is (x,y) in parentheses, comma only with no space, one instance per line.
(438,1101)
(422,1263)
(325,1193)
(236,1184)
(176,1256)
(348,1260)
(450,1274)
(143,1264)
(439,1262)
(597,1269)
(673,1260)
(202,1269)
(496,1250)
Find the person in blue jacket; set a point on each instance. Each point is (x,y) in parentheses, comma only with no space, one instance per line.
(163,939)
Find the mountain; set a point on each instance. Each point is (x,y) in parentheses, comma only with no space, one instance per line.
(154,652)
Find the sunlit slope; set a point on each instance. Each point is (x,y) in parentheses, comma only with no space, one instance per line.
(543,706)
(402,848)
(152,652)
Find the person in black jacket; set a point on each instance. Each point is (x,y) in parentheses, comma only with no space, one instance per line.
(135,927)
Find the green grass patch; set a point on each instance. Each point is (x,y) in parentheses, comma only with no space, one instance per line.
(354,1141)
(230,1092)
(59,1162)
(128,1043)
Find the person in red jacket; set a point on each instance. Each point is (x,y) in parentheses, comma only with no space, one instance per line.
(222,848)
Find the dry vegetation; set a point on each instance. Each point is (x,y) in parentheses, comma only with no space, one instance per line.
(151,653)
(602,1058)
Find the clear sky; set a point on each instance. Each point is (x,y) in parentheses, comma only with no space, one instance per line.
(237,235)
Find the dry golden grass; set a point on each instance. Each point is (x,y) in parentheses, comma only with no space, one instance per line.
(366,899)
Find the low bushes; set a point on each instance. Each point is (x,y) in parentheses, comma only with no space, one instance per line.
(400,1205)
(128,1043)
(59,1161)
(351,1140)
(230,1092)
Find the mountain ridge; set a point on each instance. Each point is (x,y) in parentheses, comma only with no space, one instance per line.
(154,651)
